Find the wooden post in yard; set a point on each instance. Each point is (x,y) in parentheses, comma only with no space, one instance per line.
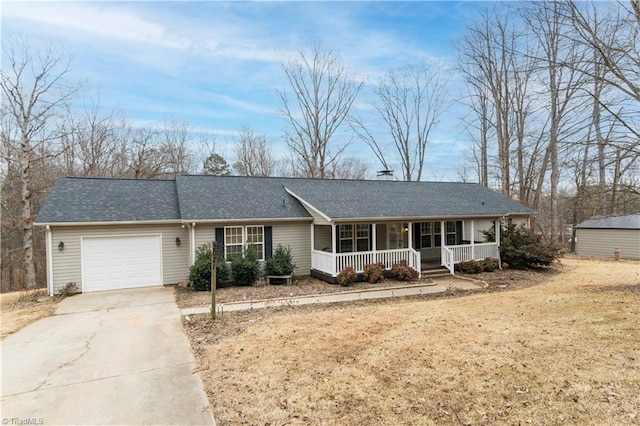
(213,279)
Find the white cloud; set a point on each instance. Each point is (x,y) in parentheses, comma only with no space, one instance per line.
(97,19)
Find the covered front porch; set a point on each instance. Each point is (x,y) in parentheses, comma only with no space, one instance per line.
(421,244)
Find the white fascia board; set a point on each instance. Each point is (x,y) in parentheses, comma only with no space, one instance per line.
(309,205)
(127,222)
(250,220)
(424,218)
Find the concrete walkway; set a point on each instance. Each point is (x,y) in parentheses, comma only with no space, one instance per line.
(347,296)
(116,358)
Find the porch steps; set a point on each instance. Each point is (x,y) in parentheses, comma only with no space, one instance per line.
(435,272)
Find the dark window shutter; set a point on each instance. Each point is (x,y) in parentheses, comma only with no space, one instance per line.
(268,242)
(370,237)
(459,232)
(337,241)
(417,244)
(220,241)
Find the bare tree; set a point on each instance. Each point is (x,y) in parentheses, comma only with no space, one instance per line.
(175,147)
(253,154)
(562,85)
(349,168)
(92,141)
(321,93)
(487,59)
(144,157)
(410,101)
(34,94)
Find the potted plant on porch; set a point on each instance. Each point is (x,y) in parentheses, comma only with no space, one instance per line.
(279,268)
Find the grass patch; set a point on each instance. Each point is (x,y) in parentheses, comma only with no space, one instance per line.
(21,308)
(562,351)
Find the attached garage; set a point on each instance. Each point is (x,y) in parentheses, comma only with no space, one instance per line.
(119,262)
(604,236)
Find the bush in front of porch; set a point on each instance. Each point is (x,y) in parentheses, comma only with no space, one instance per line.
(403,272)
(521,248)
(374,273)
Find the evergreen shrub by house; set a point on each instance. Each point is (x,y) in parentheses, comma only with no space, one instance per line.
(521,248)
(403,272)
(200,271)
(246,267)
(281,263)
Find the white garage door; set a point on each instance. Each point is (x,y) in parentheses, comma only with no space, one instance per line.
(110,263)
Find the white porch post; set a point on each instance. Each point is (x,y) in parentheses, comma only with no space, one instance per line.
(313,241)
(410,236)
(192,238)
(334,242)
(443,234)
(473,238)
(374,243)
(498,226)
(313,247)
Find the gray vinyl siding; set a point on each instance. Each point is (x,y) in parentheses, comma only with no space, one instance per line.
(603,242)
(317,218)
(296,235)
(67,266)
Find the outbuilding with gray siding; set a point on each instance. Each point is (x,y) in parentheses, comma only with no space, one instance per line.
(604,236)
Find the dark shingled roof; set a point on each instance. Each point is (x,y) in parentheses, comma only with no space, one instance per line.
(232,197)
(75,199)
(373,198)
(631,221)
(236,197)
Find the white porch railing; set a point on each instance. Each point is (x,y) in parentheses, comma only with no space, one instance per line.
(451,255)
(331,263)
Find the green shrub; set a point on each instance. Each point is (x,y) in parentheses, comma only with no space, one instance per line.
(374,272)
(246,268)
(491,264)
(281,263)
(403,272)
(470,267)
(347,276)
(522,249)
(200,271)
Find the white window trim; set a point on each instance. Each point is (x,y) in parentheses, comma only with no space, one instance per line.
(245,237)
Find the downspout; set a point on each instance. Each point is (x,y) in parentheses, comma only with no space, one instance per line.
(49,259)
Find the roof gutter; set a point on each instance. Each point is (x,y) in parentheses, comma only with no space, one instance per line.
(418,218)
(124,222)
(259,219)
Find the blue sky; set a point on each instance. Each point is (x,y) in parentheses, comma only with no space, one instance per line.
(215,64)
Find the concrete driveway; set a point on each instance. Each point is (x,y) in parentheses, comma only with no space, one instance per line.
(117,358)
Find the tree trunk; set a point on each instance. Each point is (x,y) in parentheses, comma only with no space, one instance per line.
(27,217)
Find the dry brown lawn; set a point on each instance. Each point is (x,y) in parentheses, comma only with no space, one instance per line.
(21,308)
(565,351)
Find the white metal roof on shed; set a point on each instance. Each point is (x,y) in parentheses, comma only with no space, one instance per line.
(630,221)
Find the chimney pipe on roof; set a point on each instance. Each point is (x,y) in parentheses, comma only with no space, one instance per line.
(385,175)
